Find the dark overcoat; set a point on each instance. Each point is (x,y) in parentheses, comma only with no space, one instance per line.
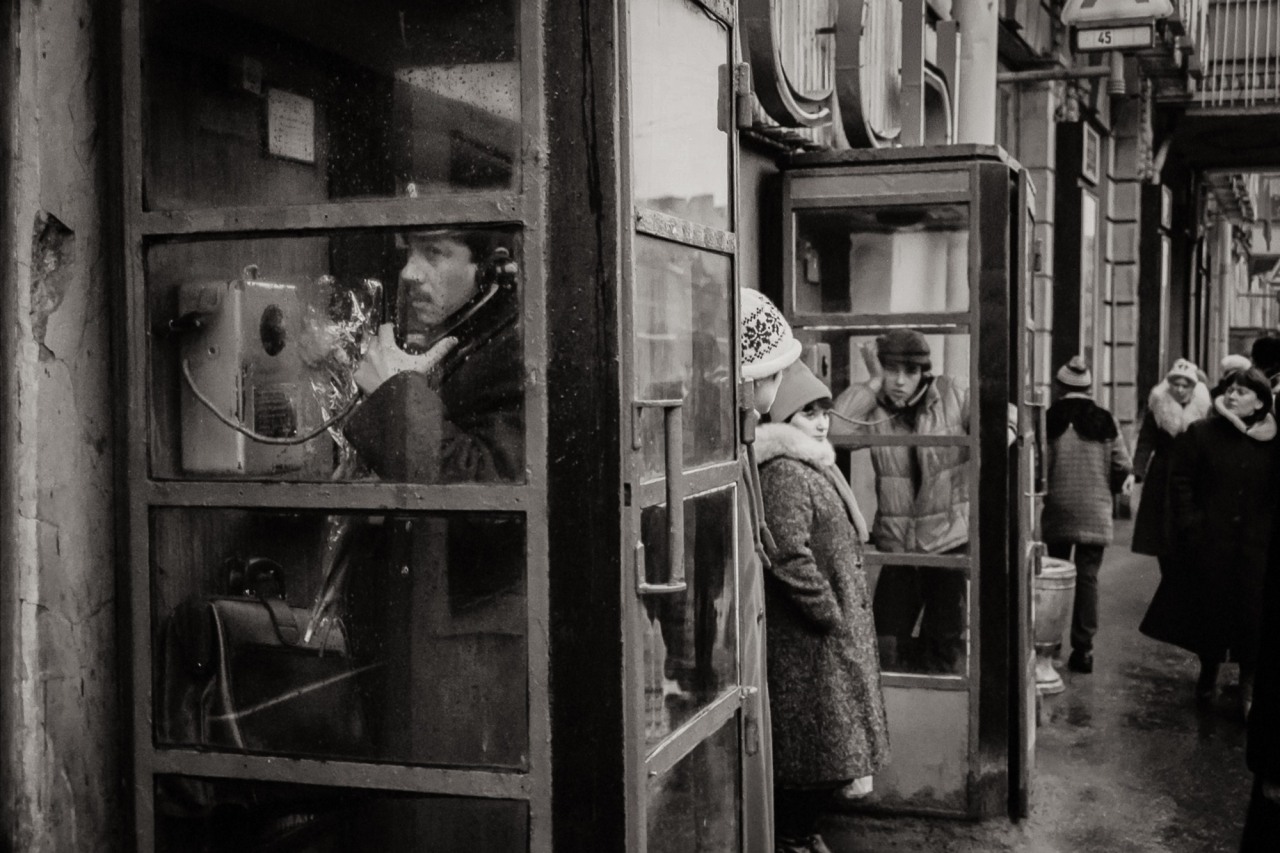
(1262,752)
(1222,498)
(824,669)
(1164,420)
(462,423)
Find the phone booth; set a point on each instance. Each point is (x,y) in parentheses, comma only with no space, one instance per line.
(906,274)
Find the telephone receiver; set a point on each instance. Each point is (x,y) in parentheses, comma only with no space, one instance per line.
(496,274)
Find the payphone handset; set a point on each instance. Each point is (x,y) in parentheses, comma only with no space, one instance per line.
(244,357)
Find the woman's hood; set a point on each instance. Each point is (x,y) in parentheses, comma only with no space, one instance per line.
(775,440)
(1173,417)
(1263,430)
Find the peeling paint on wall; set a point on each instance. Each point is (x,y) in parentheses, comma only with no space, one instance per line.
(53,257)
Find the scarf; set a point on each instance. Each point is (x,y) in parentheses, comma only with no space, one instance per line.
(1173,417)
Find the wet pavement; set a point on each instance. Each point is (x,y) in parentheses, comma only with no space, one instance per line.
(1125,759)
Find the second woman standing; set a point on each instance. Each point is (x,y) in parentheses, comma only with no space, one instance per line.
(824,672)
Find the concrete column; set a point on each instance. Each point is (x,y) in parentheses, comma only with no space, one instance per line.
(976,106)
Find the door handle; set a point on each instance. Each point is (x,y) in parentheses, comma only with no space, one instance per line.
(673,438)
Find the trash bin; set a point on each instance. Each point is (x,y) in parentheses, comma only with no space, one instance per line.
(1055,589)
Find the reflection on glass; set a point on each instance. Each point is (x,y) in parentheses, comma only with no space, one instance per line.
(695,806)
(684,347)
(691,638)
(806,46)
(920,614)
(386,638)
(273,103)
(681,157)
(199,815)
(883,260)
(344,355)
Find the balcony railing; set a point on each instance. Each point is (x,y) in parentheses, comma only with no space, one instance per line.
(1240,54)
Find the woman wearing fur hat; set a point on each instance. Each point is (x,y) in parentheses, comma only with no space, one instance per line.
(1174,404)
(1086,463)
(1222,498)
(922,499)
(824,674)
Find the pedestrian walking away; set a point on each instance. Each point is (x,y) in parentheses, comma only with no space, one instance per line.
(1086,464)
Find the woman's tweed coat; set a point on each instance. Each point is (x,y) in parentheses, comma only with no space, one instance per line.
(1081,474)
(1164,421)
(824,669)
(1223,498)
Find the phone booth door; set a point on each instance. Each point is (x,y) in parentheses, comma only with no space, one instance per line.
(686,690)
(899,270)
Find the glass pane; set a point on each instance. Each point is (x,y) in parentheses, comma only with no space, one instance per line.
(691,638)
(684,348)
(696,806)
(390,638)
(197,815)
(921,619)
(680,155)
(888,259)
(409,339)
(916,496)
(275,103)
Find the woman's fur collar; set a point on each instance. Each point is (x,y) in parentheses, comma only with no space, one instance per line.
(774,440)
(1263,430)
(1173,417)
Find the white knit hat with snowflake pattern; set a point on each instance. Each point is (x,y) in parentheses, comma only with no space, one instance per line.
(767,343)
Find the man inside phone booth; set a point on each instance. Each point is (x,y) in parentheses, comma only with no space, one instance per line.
(443,381)
(922,499)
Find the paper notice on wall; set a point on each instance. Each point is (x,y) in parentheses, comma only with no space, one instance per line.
(291,126)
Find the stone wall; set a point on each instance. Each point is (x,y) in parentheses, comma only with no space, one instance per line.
(59,712)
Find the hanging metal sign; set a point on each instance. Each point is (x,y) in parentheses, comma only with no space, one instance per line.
(1119,37)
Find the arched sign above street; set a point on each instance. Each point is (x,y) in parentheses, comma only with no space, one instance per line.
(1112,11)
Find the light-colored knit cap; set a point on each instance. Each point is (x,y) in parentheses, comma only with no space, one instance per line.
(1075,374)
(1188,370)
(767,343)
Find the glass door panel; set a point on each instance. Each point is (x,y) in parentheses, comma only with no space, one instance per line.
(888,259)
(392,638)
(680,152)
(695,807)
(691,637)
(259,361)
(684,345)
(251,103)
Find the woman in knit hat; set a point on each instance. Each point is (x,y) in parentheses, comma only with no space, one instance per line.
(1222,498)
(824,673)
(767,348)
(1086,463)
(1177,402)
(922,501)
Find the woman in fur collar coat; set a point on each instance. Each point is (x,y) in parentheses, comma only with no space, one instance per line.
(1175,404)
(1222,498)
(824,673)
